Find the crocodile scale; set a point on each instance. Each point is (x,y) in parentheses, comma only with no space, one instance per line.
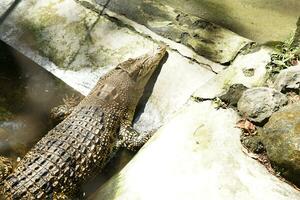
(81,136)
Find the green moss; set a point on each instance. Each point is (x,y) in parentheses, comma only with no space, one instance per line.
(37,35)
(283,57)
(218,103)
(228,78)
(53,36)
(150,8)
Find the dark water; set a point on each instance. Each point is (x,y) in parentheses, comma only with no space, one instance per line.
(27,94)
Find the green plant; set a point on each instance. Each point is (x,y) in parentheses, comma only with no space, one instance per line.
(284,56)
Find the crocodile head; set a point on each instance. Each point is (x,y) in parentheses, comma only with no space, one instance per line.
(141,69)
(138,72)
(125,85)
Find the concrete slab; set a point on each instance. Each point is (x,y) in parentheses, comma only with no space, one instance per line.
(196,155)
(80,46)
(205,38)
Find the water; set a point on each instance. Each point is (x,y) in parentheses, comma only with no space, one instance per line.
(27,94)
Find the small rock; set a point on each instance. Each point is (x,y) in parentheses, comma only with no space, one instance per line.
(233,95)
(253,142)
(288,79)
(259,103)
(281,138)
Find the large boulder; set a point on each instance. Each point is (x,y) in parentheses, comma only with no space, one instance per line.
(281,138)
(259,103)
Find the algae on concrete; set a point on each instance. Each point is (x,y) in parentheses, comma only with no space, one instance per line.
(259,20)
(49,29)
(205,38)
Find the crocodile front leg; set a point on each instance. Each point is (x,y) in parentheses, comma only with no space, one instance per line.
(130,138)
(59,113)
(60,196)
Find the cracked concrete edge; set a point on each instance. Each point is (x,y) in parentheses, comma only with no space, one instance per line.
(41,29)
(10,31)
(213,42)
(146,32)
(10,36)
(112,43)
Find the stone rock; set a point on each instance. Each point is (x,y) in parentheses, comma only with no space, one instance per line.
(288,79)
(196,155)
(235,73)
(259,103)
(281,138)
(253,142)
(233,95)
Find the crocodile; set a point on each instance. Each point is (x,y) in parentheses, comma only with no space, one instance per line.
(81,145)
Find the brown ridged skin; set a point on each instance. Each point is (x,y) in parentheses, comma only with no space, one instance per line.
(83,142)
(65,156)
